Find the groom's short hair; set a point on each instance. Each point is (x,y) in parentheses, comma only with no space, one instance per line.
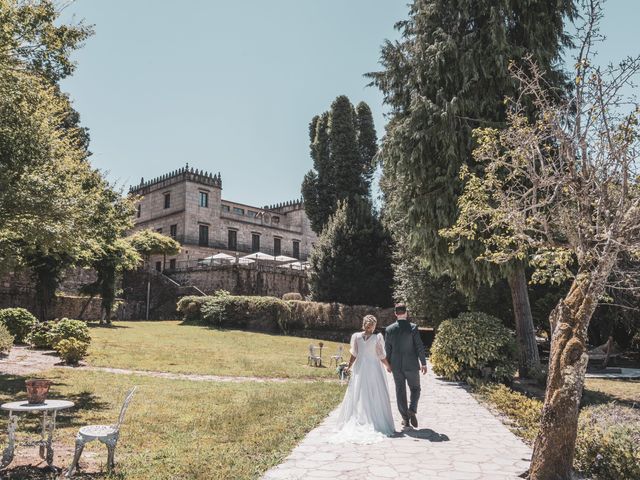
(400,309)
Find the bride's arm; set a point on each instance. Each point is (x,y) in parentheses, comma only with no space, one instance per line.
(386,364)
(351,360)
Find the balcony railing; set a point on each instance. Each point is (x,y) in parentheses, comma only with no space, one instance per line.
(241,248)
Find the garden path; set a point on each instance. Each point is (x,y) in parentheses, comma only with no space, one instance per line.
(457,438)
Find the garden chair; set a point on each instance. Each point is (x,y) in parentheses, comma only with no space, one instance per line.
(337,356)
(313,357)
(107,434)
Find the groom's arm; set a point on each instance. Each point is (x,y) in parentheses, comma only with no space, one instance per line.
(419,346)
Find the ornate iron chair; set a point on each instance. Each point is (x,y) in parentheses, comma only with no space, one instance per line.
(314,358)
(337,356)
(107,434)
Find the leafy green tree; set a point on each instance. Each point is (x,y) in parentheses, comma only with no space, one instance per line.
(343,144)
(32,38)
(351,262)
(147,242)
(446,76)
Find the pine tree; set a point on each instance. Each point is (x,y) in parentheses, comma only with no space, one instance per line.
(351,262)
(446,76)
(367,141)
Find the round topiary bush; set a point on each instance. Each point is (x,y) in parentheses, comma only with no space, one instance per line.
(292,296)
(39,337)
(67,328)
(72,350)
(6,340)
(18,321)
(474,346)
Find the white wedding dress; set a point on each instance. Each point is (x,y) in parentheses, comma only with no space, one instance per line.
(365,413)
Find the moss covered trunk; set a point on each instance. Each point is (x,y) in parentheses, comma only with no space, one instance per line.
(529,359)
(554,447)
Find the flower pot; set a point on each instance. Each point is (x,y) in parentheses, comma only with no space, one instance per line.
(37,390)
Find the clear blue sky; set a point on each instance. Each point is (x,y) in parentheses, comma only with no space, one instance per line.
(231,86)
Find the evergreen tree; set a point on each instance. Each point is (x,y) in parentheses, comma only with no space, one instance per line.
(343,144)
(446,76)
(351,262)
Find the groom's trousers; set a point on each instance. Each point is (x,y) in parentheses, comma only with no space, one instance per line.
(401,378)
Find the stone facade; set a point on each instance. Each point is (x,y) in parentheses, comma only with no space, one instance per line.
(187,204)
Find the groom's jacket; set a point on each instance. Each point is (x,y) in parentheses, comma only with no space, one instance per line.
(404,346)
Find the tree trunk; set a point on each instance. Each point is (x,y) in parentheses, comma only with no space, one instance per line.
(525,332)
(554,447)
(84,307)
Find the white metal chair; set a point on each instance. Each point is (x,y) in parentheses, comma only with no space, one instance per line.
(314,358)
(107,434)
(337,356)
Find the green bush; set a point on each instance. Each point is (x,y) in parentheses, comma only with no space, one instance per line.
(67,328)
(292,296)
(18,321)
(260,313)
(72,350)
(475,346)
(6,339)
(39,337)
(608,443)
(190,306)
(523,411)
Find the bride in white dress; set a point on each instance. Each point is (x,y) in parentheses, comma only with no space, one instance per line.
(365,413)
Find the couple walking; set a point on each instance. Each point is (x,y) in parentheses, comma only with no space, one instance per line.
(365,413)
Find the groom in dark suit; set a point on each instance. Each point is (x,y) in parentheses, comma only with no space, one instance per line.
(406,355)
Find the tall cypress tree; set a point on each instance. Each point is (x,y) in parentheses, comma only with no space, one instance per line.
(446,76)
(343,144)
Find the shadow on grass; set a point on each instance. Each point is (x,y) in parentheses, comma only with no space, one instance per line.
(29,472)
(110,326)
(596,397)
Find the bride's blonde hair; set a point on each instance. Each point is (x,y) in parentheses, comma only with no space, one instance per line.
(369,320)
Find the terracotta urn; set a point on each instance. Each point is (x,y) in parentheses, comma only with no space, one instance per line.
(37,390)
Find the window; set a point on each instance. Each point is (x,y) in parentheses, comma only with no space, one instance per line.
(252,214)
(233,240)
(225,208)
(277,246)
(173,231)
(139,209)
(159,266)
(172,264)
(255,242)
(238,211)
(204,199)
(296,249)
(275,220)
(203,237)
(159,230)
(167,200)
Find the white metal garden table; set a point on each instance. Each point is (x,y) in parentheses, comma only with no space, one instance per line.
(49,411)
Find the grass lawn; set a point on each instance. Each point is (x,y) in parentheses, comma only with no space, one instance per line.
(180,429)
(600,390)
(171,346)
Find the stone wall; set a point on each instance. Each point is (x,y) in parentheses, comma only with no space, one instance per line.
(245,280)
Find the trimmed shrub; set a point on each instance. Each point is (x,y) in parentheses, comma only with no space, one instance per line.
(608,443)
(475,346)
(259,313)
(191,306)
(72,350)
(67,328)
(6,339)
(40,335)
(524,412)
(292,296)
(18,321)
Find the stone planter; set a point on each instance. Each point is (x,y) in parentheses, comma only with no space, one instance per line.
(37,390)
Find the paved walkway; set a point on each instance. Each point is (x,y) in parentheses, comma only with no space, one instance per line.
(457,438)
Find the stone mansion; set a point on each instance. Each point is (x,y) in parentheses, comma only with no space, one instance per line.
(187,205)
